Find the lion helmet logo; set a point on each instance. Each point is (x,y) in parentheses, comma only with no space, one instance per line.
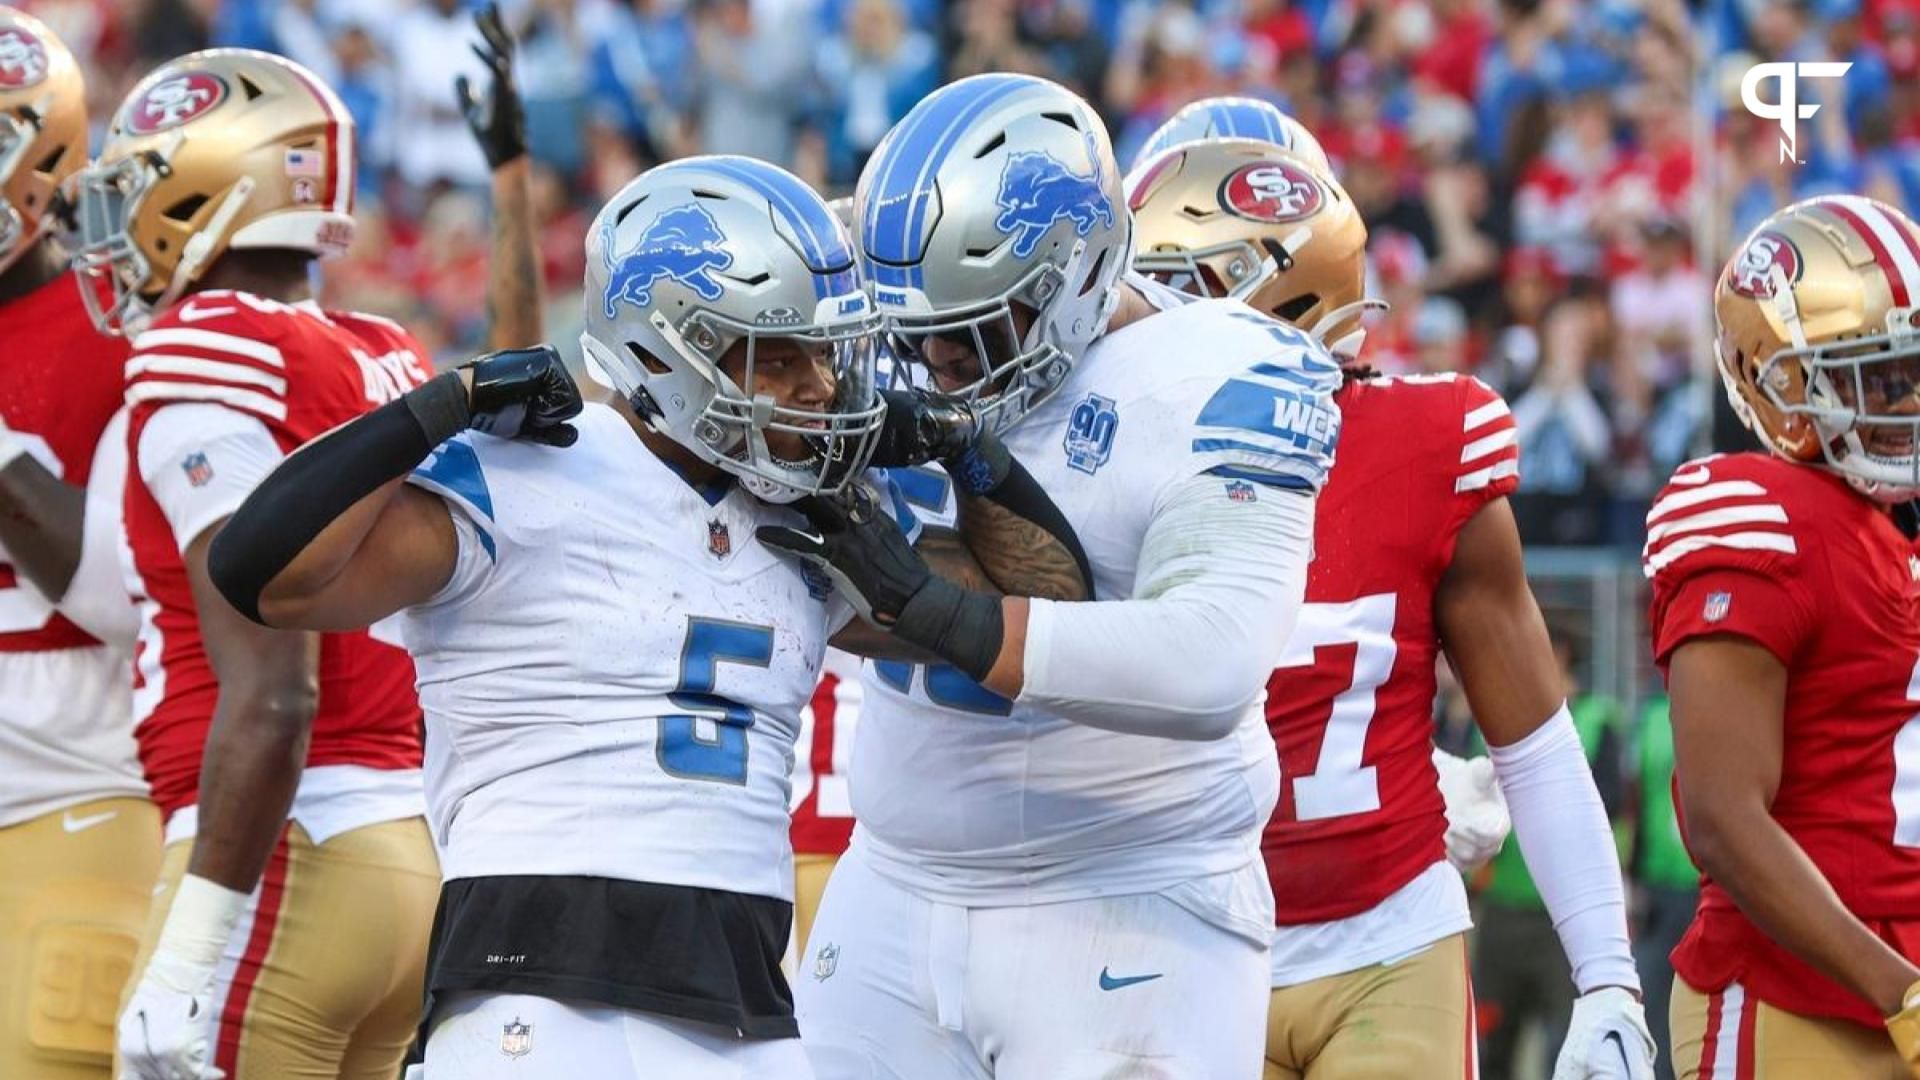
(683,244)
(1037,190)
(1274,191)
(23,60)
(1751,272)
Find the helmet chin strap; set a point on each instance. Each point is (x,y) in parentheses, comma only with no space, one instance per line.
(200,246)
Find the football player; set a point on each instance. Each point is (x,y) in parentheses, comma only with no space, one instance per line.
(224,175)
(1786,617)
(613,664)
(1416,552)
(1055,871)
(78,836)
(1234,118)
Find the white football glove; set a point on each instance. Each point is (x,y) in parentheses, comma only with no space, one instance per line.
(1607,1039)
(166,1030)
(1477,821)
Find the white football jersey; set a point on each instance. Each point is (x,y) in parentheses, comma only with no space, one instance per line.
(66,736)
(613,677)
(968,798)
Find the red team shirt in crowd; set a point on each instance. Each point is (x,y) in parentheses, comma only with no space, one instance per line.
(1791,557)
(300,372)
(1360,813)
(63,385)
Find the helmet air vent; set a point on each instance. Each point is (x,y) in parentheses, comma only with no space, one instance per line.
(249,87)
(1066,118)
(995,143)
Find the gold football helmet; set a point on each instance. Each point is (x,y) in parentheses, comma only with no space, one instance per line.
(1818,338)
(1250,220)
(220,149)
(43,129)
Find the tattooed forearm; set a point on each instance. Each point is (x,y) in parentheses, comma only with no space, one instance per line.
(947,555)
(1017,556)
(513,286)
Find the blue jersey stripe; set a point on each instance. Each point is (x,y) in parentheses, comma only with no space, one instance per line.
(1299,378)
(1318,458)
(1282,481)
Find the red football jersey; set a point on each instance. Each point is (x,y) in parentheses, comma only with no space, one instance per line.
(1360,813)
(822,809)
(301,372)
(1793,558)
(62,383)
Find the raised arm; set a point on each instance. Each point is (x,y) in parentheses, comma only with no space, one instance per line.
(499,125)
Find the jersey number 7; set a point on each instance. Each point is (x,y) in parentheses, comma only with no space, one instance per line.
(1339,784)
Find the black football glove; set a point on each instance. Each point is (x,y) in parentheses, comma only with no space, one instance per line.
(524,394)
(921,426)
(870,561)
(498,120)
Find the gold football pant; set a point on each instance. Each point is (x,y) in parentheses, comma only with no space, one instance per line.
(810,874)
(74,887)
(1730,1036)
(1412,1018)
(323,976)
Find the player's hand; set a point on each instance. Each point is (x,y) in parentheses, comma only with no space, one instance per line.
(1607,1039)
(1903,1028)
(524,394)
(1477,820)
(921,426)
(498,121)
(861,549)
(166,1030)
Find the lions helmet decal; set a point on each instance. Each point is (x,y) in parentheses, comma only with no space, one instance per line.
(683,244)
(1036,190)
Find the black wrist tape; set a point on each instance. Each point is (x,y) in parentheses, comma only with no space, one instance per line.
(321,481)
(440,407)
(960,626)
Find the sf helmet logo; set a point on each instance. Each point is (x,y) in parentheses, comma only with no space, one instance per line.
(23,60)
(1271,191)
(1788,111)
(1752,271)
(174,101)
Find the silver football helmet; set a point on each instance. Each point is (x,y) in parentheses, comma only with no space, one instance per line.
(991,218)
(1235,118)
(699,264)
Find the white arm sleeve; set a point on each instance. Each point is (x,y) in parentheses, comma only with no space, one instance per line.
(1569,848)
(1216,594)
(97,599)
(200,462)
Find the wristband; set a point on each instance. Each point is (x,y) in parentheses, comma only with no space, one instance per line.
(200,922)
(440,407)
(960,626)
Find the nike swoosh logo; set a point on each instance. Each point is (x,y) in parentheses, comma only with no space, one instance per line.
(1108,982)
(81,824)
(1619,1044)
(191,314)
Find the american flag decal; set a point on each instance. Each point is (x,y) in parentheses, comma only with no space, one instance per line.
(305,163)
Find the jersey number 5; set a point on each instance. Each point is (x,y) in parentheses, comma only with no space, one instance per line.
(1339,784)
(711,742)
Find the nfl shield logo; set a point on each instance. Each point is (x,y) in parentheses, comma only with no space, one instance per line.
(1716,606)
(198,469)
(825,961)
(719,543)
(1241,491)
(516,1039)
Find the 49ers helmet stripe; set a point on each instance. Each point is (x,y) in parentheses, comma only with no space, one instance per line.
(1894,259)
(340,163)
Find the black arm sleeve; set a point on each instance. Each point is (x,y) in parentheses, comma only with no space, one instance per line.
(322,480)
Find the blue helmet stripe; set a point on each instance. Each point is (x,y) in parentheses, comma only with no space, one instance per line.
(1225,120)
(802,210)
(896,205)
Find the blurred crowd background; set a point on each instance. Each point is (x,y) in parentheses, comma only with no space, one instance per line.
(1550,186)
